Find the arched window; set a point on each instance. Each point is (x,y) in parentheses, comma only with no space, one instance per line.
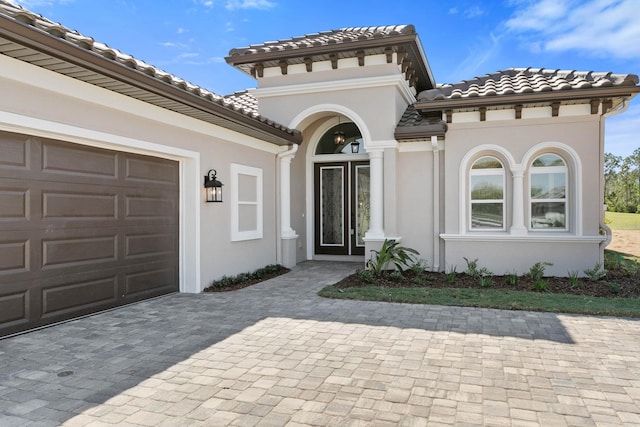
(548,193)
(351,143)
(487,194)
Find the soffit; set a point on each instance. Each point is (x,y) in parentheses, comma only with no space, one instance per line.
(29,37)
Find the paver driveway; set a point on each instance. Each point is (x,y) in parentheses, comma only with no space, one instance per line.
(277,354)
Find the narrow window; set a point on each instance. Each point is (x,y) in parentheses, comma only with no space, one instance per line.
(246,202)
(487,188)
(548,195)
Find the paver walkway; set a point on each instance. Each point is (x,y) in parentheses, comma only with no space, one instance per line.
(276,354)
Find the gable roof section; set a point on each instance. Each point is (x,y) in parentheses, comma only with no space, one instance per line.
(349,42)
(528,85)
(30,37)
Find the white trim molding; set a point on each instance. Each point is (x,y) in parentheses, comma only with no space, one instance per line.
(236,170)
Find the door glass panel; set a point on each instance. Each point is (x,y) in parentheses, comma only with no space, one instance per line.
(362,203)
(332,206)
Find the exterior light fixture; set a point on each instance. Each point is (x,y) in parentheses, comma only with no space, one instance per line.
(213,187)
(355,147)
(338,136)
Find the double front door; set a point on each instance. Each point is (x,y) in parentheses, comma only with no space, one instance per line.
(341,207)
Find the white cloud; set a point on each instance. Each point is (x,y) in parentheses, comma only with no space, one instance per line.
(598,27)
(249,4)
(480,53)
(473,12)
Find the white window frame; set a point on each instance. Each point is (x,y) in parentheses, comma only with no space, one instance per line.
(236,203)
(487,172)
(543,170)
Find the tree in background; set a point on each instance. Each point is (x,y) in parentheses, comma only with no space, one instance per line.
(622,182)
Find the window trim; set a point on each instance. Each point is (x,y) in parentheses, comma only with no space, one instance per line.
(545,170)
(470,201)
(236,234)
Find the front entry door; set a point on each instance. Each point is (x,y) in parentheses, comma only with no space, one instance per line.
(341,207)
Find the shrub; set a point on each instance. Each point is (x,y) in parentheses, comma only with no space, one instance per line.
(472,267)
(396,276)
(596,273)
(419,267)
(365,275)
(512,279)
(541,285)
(451,274)
(391,253)
(536,272)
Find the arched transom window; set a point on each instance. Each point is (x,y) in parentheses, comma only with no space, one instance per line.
(487,194)
(548,193)
(351,143)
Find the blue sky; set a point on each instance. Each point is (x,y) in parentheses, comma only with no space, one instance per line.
(462,38)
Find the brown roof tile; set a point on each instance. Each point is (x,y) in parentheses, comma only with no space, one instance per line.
(325,38)
(515,81)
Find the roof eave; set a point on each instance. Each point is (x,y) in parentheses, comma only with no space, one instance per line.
(529,98)
(420,132)
(64,50)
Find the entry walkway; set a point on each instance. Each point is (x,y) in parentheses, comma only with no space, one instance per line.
(277,354)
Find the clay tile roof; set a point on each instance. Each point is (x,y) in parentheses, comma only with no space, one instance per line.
(326,38)
(513,81)
(238,104)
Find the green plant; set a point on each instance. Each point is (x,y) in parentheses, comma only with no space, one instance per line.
(485,281)
(536,272)
(573,278)
(472,267)
(615,288)
(451,274)
(396,276)
(390,253)
(419,267)
(596,273)
(420,280)
(365,276)
(541,285)
(512,278)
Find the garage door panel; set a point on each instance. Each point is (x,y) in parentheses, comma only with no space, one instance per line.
(14,310)
(152,244)
(14,202)
(66,298)
(77,160)
(79,205)
(150,206)
(152,281)
(14,151)
(79,251)
(141,169)
(14,257)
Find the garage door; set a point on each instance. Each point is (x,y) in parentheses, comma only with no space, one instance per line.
(82,230)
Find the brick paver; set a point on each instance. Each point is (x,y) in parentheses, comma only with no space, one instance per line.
(277,354)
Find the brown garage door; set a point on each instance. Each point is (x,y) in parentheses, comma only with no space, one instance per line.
(82,229)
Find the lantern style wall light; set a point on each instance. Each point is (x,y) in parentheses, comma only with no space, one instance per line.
(213,187)
(355,147)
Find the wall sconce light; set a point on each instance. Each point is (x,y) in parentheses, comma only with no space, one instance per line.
(355,147)
(213,187)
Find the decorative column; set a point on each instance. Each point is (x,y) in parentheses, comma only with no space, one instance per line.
(288,235)
(376,198)
(517,227)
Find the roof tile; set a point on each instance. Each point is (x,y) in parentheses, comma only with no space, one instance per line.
(526,80)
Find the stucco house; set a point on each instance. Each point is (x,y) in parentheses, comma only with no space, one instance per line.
(106,165)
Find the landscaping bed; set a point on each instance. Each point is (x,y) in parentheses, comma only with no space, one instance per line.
(242,280)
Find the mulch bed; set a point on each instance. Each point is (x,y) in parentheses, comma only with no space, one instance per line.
(616,283)
(248,282)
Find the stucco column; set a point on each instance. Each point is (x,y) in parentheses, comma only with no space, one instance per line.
(376,197)
(517,226)
(288,235)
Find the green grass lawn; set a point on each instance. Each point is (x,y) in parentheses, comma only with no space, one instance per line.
(622,221)
(492,298)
